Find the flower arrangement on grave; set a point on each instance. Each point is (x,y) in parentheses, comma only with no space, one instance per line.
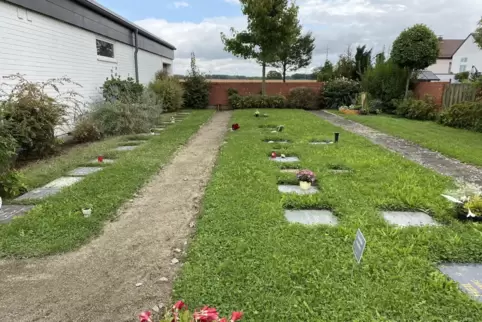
(256,113)
(352,109)
(100,159)
(273,155)
(235,127)
(468,202)
(180,313)
(306,178)
(87,210)
(265,115)
(173,120)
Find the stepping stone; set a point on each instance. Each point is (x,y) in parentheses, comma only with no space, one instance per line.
(408,218)
(296,189)
(106,161)
(9,211)
(63,182)
(84,171)
(39,193)
(126,147)
(311,217)
(287,159)
(290,170)
(468,276)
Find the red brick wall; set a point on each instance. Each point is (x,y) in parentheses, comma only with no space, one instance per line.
(436,90)
(219,89)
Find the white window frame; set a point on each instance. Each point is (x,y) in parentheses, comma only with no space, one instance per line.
(462,68)
(464,59)
(105,58)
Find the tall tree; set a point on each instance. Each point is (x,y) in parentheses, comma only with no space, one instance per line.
(345,67)
(478,34)
(196,87)
(325,73)
(272,74)
(415,49)
(363,60)
(380,58)
(271,23)
(297,54)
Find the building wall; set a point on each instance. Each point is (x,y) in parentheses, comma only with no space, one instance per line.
(434,89)
(471,52)
(442,66)
(41,48)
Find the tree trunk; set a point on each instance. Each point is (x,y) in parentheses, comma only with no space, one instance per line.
(408,82)
(263,83)
(284,73)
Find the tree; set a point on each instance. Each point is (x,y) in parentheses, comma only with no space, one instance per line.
(272,74)
(363,60)
(271,24)
(380,58)
(478,34)
(297,54)
(415,49)
(196,87)
(345,67)
(325,73)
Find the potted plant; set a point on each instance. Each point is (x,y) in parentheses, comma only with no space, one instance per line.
(306,179)
(467,207)
(256,113)
(87,210)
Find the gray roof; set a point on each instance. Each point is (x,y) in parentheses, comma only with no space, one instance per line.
(100,9)
(427,75)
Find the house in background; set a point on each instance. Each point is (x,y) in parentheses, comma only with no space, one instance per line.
(456,56)
(80,39)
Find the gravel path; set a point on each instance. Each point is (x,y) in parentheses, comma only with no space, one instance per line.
(98,282)
(430,159)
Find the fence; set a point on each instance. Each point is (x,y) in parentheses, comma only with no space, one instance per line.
(456,93)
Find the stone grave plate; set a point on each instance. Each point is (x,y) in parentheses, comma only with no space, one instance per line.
(7,212)
(296,189)
(277,141)
(106,161)
(339,171)
(290,170)
(63,182)
(286,159)
(320,143)
(84,171)
(408,218)
(311,217)
(126,147)
(39,193)
(468,276)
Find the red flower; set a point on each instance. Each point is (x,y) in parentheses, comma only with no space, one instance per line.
(273,155)
(179,305)
(100,159)
(206,314)
(235,126)
(145,317)
(236,316)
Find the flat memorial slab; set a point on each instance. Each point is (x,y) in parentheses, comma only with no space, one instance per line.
(277,141)
(408,218)
(296,189)
(7,212)
(126,147)
(39,193)
(339,171)
(311,217)
(290,170)
(321,143)
(286,159)
(106,161)
(63,182)
(84,171)
(468,276)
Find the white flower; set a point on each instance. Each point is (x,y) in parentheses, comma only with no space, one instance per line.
(471,214)
(464,198)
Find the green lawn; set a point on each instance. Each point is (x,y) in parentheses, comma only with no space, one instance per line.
(246,256)
(56,224)
(457,143)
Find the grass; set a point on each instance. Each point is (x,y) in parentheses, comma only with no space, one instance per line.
(56,225)
(463,145)
(245,256)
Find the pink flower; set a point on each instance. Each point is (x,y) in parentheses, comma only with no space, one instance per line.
(206,314)
(236,316)
(179,305)
(145,317)
(223,320)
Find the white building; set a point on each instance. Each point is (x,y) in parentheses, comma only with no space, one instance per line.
(456,56)
(80,39)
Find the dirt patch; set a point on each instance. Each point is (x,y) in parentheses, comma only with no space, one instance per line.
(122,272)
(430,159)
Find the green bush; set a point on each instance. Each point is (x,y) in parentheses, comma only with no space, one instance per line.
(386,82)
(303,98)
(11,182)
(86,130)
(232,91)
(466,115)
(169,93)
(125,90)
(340,92)
(417,109)
(462,76)
(256,101)
(196,88)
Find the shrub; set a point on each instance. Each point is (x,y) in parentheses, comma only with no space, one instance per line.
(11,182)
(417,109)
(86,130)
(196,88)
(340,91)
(126,90)
(465,115)
(256,101)
(232,91)
(169,93)
(462,76)
(303,98)
(385,82)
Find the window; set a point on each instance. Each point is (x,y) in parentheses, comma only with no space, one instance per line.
(105,49)
(463,68)
(166,67)
(450,67)
(463,59)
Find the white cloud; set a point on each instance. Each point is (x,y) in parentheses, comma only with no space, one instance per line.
(232,1)
(336,24)
(181,4)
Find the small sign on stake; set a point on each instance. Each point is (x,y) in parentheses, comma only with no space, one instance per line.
(359,246)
